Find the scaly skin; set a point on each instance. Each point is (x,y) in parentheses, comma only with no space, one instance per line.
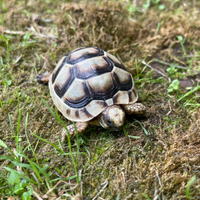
(136,108)
(80,127)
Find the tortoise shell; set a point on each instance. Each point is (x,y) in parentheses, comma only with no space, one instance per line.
(88,80)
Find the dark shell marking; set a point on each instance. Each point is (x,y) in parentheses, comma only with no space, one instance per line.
(88,80)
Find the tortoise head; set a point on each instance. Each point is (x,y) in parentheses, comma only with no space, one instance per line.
(112,118)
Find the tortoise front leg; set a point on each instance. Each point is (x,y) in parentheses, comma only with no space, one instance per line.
(135,108)
(80,127)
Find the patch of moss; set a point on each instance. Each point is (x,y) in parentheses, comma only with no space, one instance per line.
(38,33)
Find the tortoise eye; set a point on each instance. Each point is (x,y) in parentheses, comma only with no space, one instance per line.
(109,122)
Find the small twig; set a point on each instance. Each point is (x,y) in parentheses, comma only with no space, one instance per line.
(51,189)
(170,108)
(143,62)
(33,31)
(123,177)
(81,183)
(37,195)
(73,187)
(156,195)
(35,177)
(14,32)
(61,181)
(159,181)
(105,184)
(158,178)
(16,61)
(197,125)
(4,187)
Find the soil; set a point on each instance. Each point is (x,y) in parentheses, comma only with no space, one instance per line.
(160,163)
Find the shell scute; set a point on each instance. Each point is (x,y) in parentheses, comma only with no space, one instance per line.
(77,96)
(92,67)
(82,54)
(63,80)
(95,107)
(58,68)
(123,79)
(101,86)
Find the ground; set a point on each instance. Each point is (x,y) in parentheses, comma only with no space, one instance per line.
(151,158)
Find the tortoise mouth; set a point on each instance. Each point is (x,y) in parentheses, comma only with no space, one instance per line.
(113,127)
(116,128)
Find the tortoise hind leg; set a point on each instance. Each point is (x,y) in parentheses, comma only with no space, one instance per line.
(43,78)
(80,127)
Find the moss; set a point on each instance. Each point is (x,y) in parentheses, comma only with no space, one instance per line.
(39,33)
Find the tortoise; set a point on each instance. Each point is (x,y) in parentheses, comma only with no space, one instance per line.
(91,86)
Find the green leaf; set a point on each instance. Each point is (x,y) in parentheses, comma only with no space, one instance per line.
(180,38)
(171,69)
(30,189)
(147,4)
(156,1)
(19,175)
(132,8)
(13,178)
(18,189)
(9,82)
(170,90)
(173,86)
(23,183)
(26,196)
(161,7)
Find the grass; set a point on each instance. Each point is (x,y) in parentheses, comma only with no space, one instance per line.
(23,182)
(188,186)
(151,158)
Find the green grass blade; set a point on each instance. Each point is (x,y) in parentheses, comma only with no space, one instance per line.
(22,165)
(26,124)
(146,196)
(190,92)
(134,137)
(188,186)
(41,170)
(46,141)
(33,167)
(3,144)
(7,158)
(145,131)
